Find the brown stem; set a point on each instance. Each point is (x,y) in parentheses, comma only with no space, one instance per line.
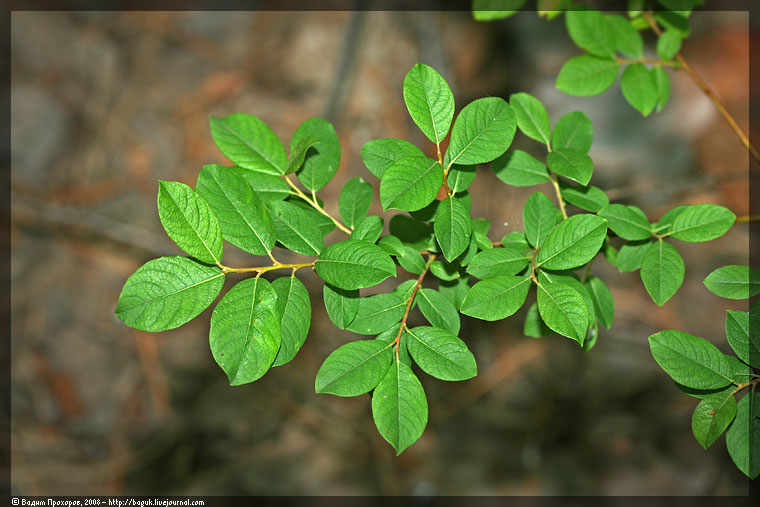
(747,219)
(709,92)
(410,301)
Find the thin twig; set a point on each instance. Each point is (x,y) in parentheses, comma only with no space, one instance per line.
(314,204)
(410,301)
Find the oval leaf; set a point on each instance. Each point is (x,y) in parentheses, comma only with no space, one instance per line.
(483,130)
(689,360)
(573,242)
(354,368)
(294,307)
(410,184)
(429,101)
(354,264)
(452,227)
(249,143)
(734,282)
(399,407)
(496,298)
(662,271)
(322,159)
(441,354)
(563,310)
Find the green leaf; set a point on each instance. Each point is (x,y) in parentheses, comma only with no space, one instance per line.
(711,418)
(249,143)
(572,164)
(441,354)
(520,169)
(639,87)
(267,187)
(298,153)
(571,280)
(534,326)
(296,229)
(452,227)
(743,437)
(604,304)
(389,336)
(539,216)
(245,331)
(410,184)
(573,242)
(627,39)
(438,310)
(740,372)
(429,100)
(531,116)
(704,393)
(482,242)
(746,344)
(588,198)
(631,254)
(354,264)
(323,159)
(412,261)
(702,222)
(586,75)
(444,270)
(189,221)
(392,245)
(324,224)
(455,290)
(610,252)
(496,298)
(590,31)
(167,292)
(662,82)
(690,360)
(573,131)
(628,222)
(662,271)
(399,407)
(242,216)
(460,177)
(380,154)
(377,313)
(341,305)
(295,309)
(492,10)
(515,239)
(734,282)
(411,232)
(354,201)
(368,229)
(483,130)
(427,214)
(668,44)
(354,368)
(563,310)
(498,261)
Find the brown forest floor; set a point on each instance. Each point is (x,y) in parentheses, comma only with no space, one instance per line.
(104,104)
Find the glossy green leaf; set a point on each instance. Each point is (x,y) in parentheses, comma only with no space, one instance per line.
(242,216)
(267,187)
(498,261)
(604,304)
(452,227)
(496,298)
(628,222)
(587,75)
(354,368)
(520,169)
(460,177)
(563,310)
(167,292)
(392,245)
(746,344)
(245,331)
(627,39)
(411,232)
(573,242)
(668,44)
(483,130)
(455,290)
(631,254)
(515,239)
(440,354)
(295,309)
(743,437)
(590,30)
(711,418)
(438,310)
(354,264)
(571,280)
(322,160)
(389,336)
(368,229)
(429,100)
(378,155)
(539,216)
(588,198)
(341,305)
(377,313)
(734,282)
(574,131)
(662,82)
(296,229)
(399,407)
(662,271)
(534,325)
(690,360)
(354,201)
(639,87)
(532,118)
(324,224)
(249,143)
(410,184)
(572,164)
(702,222)
(190,222)
(444,270)
(298,152)
(412,261)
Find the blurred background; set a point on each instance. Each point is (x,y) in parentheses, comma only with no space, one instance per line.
(105,104)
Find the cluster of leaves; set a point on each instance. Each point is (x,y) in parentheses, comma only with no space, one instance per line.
(701,370)
(604,38)
(256,206)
